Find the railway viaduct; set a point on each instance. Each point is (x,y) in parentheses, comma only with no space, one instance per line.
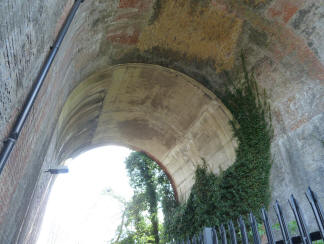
(143,74)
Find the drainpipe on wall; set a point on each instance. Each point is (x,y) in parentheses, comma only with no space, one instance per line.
(10,142)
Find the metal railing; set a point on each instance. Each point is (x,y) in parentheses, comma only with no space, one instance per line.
(223,235)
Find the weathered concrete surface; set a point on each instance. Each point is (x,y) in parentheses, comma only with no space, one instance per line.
(298,161)
(282,40)
(153,109)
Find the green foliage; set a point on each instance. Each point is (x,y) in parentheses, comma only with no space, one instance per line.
(276,226)
(134,227)
(292,227)
(141,171)
(151,189)
(244,186)
(318,242)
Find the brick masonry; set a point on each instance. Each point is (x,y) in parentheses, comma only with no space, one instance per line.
(283,41)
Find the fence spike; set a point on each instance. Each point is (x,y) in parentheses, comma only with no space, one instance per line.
(188,240)
(208,235)
(223,234)
(267,226)
(232,232)
(282,223)
(193,240)
(245,239)
(317,210)
(201,238)
(300,220)
(215,237)
(254,225)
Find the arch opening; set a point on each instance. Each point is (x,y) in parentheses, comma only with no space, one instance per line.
(167,115)
(81,206)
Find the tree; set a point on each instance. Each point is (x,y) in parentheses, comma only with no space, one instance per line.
(142,172)
(152,189)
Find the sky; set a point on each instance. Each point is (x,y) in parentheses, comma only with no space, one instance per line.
(79,210)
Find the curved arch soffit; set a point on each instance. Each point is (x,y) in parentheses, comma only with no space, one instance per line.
(166,114)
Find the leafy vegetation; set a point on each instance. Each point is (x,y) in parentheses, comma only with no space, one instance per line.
(244,186)
(140,222)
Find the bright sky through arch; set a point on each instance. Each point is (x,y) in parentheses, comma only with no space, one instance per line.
(78,210)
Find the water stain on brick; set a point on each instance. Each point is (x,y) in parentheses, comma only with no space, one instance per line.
(140,4)
(124,37)
(255,3)
(260,38)
(126,27)
(139,129)
(301,15)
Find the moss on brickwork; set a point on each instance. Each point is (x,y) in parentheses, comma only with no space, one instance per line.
(205,33)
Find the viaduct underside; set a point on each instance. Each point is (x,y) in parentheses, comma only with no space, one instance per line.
(142,74)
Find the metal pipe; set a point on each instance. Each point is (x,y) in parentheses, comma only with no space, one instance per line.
(10,142)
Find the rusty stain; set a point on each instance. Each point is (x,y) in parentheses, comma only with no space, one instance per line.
(283,10)
(124,37)
(139,4)
(299,123)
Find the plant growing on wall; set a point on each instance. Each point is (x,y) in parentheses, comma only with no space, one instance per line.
(244,186)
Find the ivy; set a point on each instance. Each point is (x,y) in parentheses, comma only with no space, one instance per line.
(244,186)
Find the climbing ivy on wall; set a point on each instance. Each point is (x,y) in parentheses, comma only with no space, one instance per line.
(244,186)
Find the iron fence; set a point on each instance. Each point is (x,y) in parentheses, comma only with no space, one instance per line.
(227,234)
